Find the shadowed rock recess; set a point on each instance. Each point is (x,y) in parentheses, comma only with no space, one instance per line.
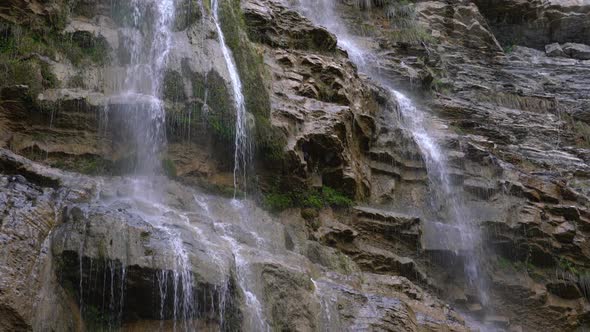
(121,210)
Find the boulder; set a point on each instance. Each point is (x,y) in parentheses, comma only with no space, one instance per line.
(577,51)
(554,50)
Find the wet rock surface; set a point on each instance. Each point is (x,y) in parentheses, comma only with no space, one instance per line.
(103,251)
(507,117)
(318,100)
(505,86)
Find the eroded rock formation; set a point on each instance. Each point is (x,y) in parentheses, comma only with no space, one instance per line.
(507,84)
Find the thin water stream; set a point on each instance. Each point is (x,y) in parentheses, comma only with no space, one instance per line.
(241,143)
(458,233)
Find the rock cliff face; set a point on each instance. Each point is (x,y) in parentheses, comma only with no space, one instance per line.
(88,246)
(515,134)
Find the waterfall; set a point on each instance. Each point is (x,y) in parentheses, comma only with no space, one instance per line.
(138,100)
(464,234)
(241,143)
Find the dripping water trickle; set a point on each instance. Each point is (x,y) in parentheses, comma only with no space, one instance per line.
(241,144)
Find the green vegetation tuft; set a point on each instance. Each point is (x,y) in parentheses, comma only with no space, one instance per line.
(567,266)
(277,201)
(335,198)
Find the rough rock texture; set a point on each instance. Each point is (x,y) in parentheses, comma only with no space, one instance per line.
(318,101)
(512,115)
(93,244)
(538,22)
(75,123)
(554,50)
(32,12)
(513,123)
(577,51)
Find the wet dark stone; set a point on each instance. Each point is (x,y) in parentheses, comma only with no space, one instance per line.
(111,294)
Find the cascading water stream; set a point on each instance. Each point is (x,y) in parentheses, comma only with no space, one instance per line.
(139,109)
(255,320)
(443,194)
(136,106)
(149,41)
(241,145)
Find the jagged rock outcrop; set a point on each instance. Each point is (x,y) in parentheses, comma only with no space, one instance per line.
(539,22)
(318,101)
(504,84)
(515,141)
(99,245)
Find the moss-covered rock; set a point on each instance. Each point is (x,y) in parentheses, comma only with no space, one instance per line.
(282,198)
(219,110)
(173,86)
(187,13)
(269,141)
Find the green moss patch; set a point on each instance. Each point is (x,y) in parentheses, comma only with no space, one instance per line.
(219,113)
(306,198)
(24,55)
(173,86)
(81,47)
(85,164)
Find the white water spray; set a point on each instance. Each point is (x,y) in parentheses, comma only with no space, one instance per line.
(138,99)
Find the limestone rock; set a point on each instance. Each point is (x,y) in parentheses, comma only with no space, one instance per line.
(278,26)
(317,98)
(577,51)
(554,50)
(537,23)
